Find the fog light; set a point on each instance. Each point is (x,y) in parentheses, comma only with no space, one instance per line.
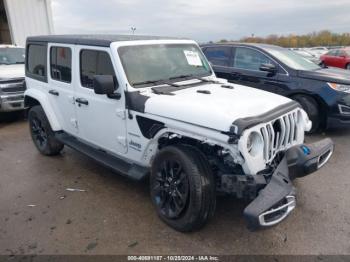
(344,110)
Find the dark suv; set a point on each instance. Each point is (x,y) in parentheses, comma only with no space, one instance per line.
(324,93)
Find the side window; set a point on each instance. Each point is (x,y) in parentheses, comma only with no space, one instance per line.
(36,61)
(332,53)
(218,55)
(61,63)
(250,59)
(92,63)
(341,53)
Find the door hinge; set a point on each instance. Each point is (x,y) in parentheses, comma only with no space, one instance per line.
(122,140)
(121,113)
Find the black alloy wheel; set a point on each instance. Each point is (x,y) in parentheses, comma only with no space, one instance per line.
(171,189)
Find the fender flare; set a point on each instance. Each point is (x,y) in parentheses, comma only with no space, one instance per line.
(46,105)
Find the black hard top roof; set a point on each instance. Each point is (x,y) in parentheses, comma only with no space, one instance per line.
(95,40)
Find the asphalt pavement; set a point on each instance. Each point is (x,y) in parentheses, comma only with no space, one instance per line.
(113,215)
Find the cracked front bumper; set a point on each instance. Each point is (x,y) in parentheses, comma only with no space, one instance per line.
(277,200)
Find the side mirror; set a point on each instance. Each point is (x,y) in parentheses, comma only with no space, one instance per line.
(270,68)
(104,85)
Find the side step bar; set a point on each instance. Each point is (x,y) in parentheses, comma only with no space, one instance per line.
(118,165)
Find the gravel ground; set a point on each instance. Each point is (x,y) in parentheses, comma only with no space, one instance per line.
(114,215)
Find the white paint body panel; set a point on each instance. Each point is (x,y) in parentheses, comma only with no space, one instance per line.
(217,110)
(28,18)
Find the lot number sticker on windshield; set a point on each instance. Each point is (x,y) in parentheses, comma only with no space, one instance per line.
(193,58)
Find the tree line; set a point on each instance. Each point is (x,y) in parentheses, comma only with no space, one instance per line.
(321,38)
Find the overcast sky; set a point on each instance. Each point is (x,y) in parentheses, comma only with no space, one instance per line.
(202,20)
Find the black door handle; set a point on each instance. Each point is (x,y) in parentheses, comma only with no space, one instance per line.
(54,92)
(82,101)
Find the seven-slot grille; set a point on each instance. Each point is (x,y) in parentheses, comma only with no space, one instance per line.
(280,134)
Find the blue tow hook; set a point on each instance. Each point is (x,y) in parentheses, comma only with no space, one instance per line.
(306,150)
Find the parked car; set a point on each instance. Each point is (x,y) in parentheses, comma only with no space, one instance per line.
(153,106)
(11,78)
(337,58)
(318,50)
(323,93)
(309,56)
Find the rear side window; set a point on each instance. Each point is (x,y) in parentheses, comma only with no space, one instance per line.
(249,59)
(93,63)
(36,61)
(332,53)
(61,64)
(218,55)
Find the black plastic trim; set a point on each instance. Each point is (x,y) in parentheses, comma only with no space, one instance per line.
(277,189)
(135,101)
(149,127)
(242,124)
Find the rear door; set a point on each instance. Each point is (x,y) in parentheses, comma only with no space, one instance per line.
(245,68)
(61,87)
(220,59)
(101,120)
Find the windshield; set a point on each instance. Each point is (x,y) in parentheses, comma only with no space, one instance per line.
(147,64)
(10,56)
(293,60)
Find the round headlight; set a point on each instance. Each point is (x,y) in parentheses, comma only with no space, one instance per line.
(255,143)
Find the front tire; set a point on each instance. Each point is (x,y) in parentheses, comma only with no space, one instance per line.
(182,188)
(310,106)
(42,134)
(347,67)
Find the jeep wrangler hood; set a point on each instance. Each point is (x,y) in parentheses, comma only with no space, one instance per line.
(216,107)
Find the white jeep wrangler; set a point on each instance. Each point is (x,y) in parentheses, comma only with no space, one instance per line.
(153,106)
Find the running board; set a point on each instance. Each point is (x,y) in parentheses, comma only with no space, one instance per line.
(118,165)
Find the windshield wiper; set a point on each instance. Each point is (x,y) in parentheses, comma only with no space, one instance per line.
(19,63)
(148,82)
(165,82)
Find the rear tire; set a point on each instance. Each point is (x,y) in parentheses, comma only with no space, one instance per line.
(323,65)
(182,188)
(310,106)
(347,67)
(41,132)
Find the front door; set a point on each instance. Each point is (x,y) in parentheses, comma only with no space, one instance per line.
(245,70)
(101,120)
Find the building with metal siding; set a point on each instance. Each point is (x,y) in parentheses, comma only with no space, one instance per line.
(22,18)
